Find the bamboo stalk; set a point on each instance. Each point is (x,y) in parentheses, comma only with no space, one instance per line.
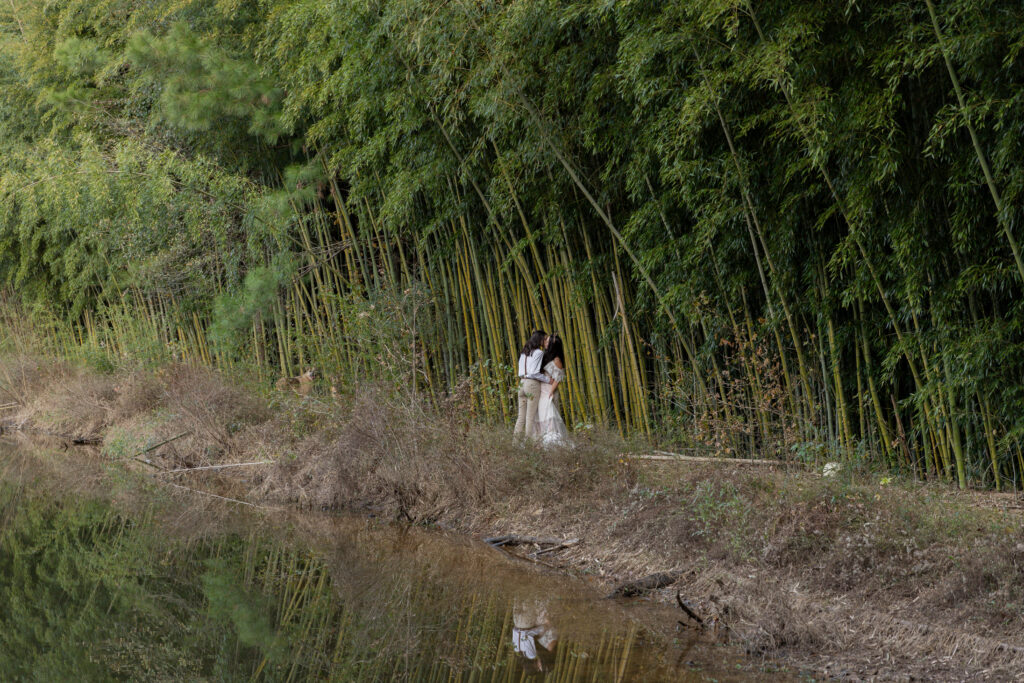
(982,160)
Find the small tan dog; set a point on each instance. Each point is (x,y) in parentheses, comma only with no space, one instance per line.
(301,385)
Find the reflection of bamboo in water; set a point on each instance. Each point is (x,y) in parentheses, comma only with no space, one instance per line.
(319,637)
(264,610)
(310,624)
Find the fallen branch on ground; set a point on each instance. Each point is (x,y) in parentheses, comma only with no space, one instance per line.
(561,546)
(218,467)
(665,455)
(156,446)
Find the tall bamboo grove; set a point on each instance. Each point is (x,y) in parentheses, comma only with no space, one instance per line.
(785,229)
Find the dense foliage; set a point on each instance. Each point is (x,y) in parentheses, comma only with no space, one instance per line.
(761,225)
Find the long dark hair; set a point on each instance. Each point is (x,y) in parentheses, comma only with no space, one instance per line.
(535,341)
(554,350)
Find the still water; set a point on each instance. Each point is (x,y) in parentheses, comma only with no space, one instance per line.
(104,577)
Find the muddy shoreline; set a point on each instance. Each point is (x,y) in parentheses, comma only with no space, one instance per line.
(842,578)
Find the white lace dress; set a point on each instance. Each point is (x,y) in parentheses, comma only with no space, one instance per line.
(551,428)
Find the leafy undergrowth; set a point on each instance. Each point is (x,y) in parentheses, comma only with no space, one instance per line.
(841,575)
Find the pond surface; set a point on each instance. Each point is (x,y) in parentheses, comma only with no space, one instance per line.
(104,577)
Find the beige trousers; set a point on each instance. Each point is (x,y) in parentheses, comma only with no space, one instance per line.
(529,398)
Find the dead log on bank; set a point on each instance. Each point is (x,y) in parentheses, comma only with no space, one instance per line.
(688,610)
(631,589)
(70,438)
(544,546)
(512,540)
(9,426)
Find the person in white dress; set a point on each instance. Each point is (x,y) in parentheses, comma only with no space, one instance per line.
(551,429)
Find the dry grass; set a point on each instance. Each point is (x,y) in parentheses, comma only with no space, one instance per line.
(837,575)
(416,464)
(22,376)
(65,400)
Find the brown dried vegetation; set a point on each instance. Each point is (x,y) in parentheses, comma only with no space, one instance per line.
(839,575)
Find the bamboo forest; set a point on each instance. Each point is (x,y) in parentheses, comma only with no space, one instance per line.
(765,230)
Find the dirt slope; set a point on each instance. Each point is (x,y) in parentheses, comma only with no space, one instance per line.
(843,577)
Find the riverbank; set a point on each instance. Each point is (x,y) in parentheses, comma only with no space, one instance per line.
(844,576)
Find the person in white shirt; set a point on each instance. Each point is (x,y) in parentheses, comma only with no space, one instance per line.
(531,376)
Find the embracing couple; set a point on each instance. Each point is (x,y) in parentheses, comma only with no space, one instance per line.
(541,370)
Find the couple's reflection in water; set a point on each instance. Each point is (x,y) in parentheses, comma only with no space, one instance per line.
(533,636)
